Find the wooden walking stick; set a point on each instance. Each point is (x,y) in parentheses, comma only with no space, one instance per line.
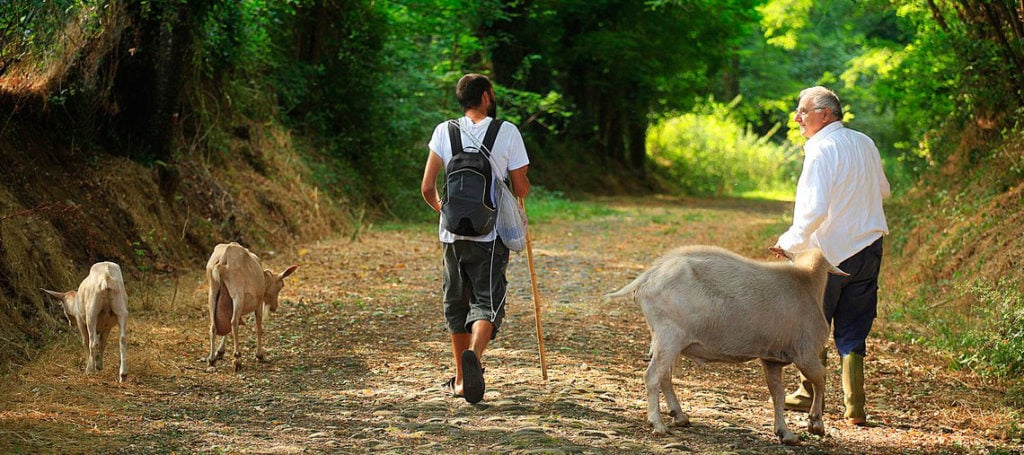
(536,298)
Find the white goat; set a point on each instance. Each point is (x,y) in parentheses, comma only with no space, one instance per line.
(238,286)
(712,305)
(99,304)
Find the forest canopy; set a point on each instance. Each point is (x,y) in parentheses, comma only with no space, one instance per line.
(584,79)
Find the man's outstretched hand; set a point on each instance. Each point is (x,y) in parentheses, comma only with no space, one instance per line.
(779,252)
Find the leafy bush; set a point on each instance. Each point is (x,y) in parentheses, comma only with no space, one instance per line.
(707,152)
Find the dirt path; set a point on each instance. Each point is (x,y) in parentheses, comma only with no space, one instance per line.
(358,350)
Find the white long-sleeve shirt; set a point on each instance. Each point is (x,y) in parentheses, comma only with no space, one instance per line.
(839,195)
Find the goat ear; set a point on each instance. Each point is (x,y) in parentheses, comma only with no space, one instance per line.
(288,271)
(55,294)
(836,271)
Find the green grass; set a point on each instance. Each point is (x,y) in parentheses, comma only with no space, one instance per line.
(777,194)
(995,343)
(542,205)
(545,205)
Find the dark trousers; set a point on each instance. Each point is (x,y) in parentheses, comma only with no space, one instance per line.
(851,302)
(474,284)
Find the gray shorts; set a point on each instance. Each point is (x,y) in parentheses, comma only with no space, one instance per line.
(474,284)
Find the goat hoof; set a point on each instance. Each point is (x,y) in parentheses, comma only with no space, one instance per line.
(817,428)
(788,438)
(680,419)
(261,358)
(238,365)
(122,377)
(660,430)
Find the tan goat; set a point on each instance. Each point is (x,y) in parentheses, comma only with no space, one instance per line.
(712,305)
(99,304)
(238,286)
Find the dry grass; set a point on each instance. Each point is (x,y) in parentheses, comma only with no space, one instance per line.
(61,212)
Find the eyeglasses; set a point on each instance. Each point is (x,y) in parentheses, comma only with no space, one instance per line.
(803,113)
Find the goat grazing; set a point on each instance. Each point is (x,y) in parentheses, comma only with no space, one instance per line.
(238,286)
(99,304)
(712,305)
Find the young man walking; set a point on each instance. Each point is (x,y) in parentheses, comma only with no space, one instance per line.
(839,210)
(474,283)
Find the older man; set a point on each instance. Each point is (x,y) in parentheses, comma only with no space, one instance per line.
(839,210)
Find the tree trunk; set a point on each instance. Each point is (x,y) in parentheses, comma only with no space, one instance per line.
(611,129)
(309,34)
(731,76)
(637,143)
(152,67)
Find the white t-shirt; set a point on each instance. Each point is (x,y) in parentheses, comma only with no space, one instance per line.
(839,195)
(509,154)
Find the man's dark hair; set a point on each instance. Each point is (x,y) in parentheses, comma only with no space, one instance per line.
(470,90)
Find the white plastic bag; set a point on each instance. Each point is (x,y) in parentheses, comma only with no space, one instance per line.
(511,219)
(511,222)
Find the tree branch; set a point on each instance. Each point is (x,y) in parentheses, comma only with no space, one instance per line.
(997,27)
(1013,19)
(938,15)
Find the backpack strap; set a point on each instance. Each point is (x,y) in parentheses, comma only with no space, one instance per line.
(455,134)
(491,135)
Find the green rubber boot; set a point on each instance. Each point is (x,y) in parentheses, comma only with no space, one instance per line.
(853,389)
(801,399)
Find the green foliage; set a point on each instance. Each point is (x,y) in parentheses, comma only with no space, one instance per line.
(391,66)
(854,48)
(316,67)
(996,344)
(782,20)
(423,55)
(989,340)
(32,30)
(921,88)
(708,153)
(623,63)
(235,37)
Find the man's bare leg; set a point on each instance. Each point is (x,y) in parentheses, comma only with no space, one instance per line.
(480,336)
(460,342)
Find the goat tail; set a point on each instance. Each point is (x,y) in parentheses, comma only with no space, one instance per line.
(223,305)
(629,288)
(104,283)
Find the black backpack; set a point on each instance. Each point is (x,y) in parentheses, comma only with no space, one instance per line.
(466,207)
